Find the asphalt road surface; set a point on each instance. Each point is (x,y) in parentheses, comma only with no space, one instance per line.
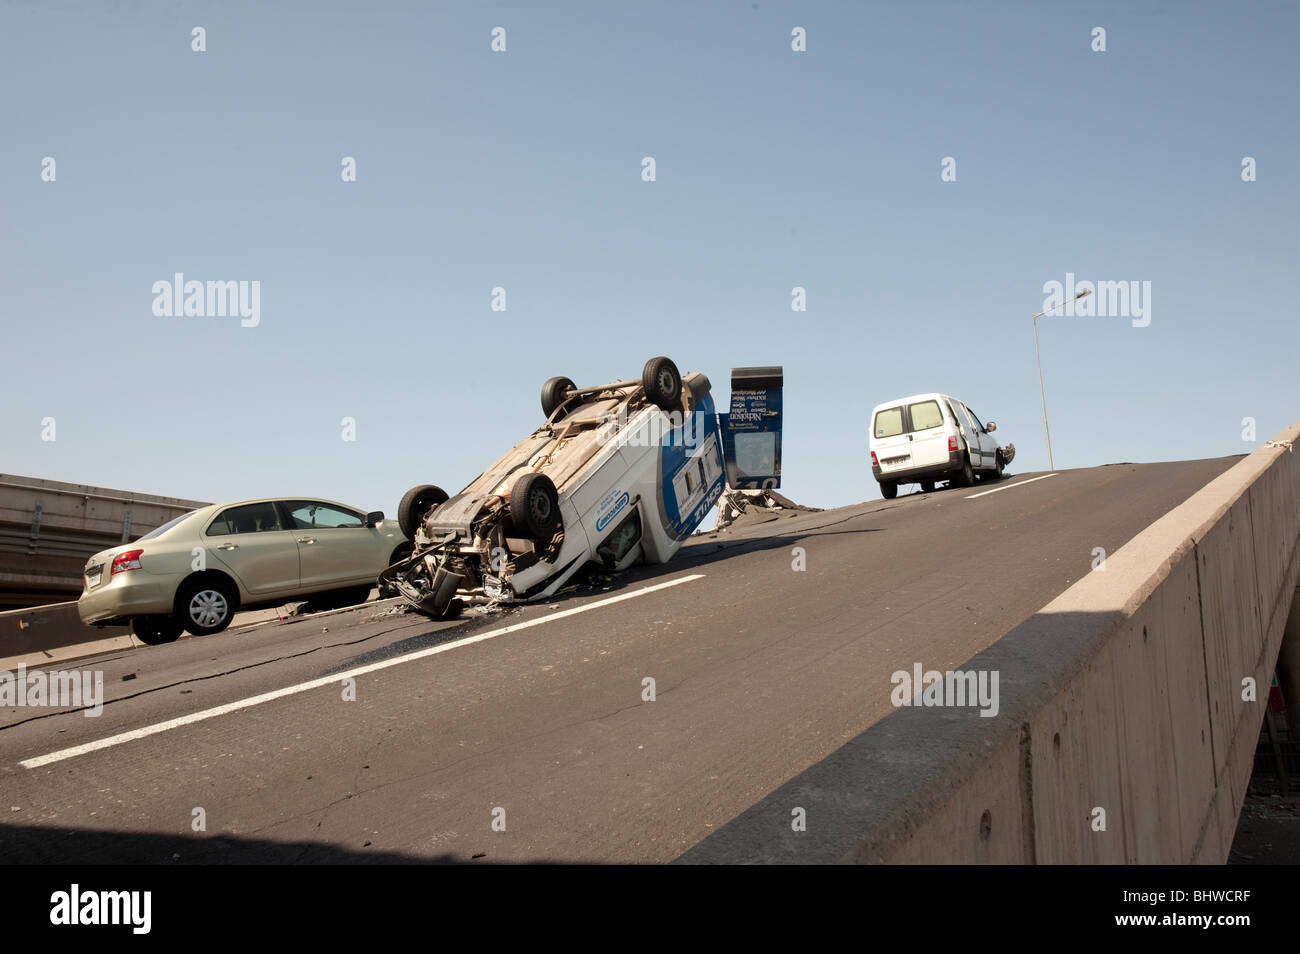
(460,729)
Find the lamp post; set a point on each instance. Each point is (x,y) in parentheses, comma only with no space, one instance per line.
(1041,393)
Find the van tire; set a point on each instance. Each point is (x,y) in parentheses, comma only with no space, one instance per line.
(417,502)
(997,467)
(554,393)
(966,476)
(663,383)
(535,507)
(888,489)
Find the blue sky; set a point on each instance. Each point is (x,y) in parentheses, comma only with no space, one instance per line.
(522,169)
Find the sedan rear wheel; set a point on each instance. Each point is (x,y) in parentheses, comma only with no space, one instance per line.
(207,606)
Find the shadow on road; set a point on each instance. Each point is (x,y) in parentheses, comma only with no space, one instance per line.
(81,846)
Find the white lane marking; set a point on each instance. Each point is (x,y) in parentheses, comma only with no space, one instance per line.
(998,490)
(229,707)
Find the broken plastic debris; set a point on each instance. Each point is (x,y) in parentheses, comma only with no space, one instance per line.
(742,508)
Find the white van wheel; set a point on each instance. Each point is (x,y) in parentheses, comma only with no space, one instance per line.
(535,507)
(966,478)
(554,393)
(662,383)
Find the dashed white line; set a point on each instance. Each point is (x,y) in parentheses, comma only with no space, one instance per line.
(998,490)
(229,707)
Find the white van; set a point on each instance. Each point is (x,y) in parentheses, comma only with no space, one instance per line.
(929,438)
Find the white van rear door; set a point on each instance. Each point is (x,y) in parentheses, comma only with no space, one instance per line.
(928,433)
(890,440)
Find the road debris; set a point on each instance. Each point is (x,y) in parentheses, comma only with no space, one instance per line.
(738,509)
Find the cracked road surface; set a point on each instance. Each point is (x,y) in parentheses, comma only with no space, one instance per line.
(760,670)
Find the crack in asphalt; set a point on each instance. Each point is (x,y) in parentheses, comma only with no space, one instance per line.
(214,675)
(324,810)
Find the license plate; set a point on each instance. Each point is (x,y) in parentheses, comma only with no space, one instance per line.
(92,578)
(897,460)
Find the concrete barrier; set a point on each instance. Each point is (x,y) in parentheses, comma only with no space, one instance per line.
(47,629)
(1126,731)
(55,632)
(48,528)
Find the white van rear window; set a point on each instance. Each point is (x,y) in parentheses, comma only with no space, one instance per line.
(926,415)
(889,423)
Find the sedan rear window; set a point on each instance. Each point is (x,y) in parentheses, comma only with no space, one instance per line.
(926,415)
(157,532)
(250,518)
(889,423)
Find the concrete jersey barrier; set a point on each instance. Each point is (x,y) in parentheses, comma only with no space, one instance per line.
(1124,695)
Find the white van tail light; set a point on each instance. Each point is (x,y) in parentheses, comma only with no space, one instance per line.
(952,443)
(874,462)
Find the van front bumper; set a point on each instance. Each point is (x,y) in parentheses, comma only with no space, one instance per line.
(908,475)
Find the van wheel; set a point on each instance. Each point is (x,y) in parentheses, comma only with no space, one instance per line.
(156,630)
(966,478)
(927,486)
(889,490)
(997,468)
(206,606)
(535,506)
(663,383)
(415,505)
(554,393)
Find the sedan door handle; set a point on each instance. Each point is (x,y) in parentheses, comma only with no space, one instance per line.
(228,546)
(306,539)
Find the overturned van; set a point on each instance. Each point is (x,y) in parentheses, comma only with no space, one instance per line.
(618,474)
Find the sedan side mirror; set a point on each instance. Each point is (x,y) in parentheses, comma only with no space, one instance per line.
(990,427)
(374,517)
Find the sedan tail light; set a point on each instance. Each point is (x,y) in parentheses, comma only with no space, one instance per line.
(952,443)
(126,560)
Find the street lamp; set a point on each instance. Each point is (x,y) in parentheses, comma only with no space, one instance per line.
(1042,395)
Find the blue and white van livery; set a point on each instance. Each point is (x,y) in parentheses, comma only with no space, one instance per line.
(618,474)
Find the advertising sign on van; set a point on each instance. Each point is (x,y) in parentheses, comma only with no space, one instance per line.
(751,430)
